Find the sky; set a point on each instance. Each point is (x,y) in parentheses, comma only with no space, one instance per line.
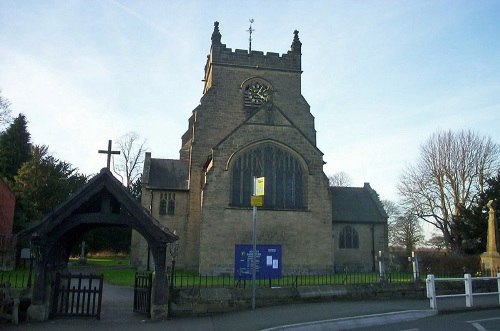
(380,76)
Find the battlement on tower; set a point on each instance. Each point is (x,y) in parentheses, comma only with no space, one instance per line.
(222,55)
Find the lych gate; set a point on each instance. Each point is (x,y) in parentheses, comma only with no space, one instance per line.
(103,201)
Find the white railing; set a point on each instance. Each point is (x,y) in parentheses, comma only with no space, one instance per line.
(469,295)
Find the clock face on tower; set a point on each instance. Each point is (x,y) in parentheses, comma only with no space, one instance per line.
(258,93)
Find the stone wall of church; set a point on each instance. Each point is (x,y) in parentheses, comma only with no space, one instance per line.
(177,222)
(360,259)
(221,109)
(305,235)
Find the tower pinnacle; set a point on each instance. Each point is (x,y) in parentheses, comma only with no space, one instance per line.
(296,44)
(216,36)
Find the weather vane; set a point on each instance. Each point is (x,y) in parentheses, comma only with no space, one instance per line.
(250,30)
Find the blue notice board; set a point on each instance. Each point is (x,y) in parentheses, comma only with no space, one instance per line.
(267,264)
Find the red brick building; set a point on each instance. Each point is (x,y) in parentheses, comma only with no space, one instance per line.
(7,203)
(7,239)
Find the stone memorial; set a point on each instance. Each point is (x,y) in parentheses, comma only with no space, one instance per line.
(490,260)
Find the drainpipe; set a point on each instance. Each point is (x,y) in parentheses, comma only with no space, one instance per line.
(373,247)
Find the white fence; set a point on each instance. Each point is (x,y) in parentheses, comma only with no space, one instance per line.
(469,295)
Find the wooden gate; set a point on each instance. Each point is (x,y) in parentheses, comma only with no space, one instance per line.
(142,293)
(77,295)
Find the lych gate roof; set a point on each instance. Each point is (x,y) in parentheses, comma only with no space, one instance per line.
(102,200)
(356,204)
(165,174)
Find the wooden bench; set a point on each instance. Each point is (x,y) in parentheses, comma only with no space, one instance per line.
(9,306)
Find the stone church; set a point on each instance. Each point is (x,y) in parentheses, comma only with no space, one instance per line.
(252,120)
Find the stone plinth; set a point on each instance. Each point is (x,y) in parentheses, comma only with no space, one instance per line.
(490,263)
(38,313)
(159,312)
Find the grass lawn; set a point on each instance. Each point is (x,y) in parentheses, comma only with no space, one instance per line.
(115,268)
(123,277)
(101,261)
(117,271)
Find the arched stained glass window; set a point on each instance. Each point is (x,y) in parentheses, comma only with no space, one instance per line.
(349,238)
(163,205)
(171,204)
(284,177)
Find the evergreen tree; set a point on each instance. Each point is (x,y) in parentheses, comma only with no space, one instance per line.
(136,189)
(14,148)
(42,183)
(473,223)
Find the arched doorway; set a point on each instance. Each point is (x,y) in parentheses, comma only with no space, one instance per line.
(103,201)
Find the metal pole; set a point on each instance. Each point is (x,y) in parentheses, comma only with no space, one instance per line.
(254,243)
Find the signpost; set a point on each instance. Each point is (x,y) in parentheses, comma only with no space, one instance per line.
(258,192)
(259,186)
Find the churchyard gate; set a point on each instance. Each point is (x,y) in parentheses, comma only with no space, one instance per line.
(142,293)
(77,295)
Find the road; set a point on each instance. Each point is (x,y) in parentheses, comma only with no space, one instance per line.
(476,320)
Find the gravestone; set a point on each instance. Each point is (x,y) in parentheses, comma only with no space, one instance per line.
(81,259)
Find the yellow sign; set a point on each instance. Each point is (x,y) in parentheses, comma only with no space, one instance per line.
(259,186)
(256,201)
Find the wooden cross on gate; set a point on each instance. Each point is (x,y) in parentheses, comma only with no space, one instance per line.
(109,152)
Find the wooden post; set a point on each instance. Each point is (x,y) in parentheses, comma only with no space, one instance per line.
(431,291)
(469,301)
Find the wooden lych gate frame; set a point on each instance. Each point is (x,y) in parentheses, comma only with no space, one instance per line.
(103,201)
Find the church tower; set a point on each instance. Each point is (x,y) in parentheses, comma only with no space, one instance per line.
(252,120)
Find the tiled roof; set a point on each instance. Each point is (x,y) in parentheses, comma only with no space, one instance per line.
(168,174)
(356,204)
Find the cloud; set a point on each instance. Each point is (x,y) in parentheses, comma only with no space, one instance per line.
(143,19)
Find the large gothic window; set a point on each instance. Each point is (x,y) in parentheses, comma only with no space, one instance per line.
(284,177)
(349,238)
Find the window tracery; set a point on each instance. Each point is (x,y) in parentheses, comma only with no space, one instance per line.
(284,177)
(167,204)
(349,238)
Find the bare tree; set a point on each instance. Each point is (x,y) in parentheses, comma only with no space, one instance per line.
(437,242)
(5,112)
(451,170)
(339,179)
(131,157)
(404,228)
(391,208)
